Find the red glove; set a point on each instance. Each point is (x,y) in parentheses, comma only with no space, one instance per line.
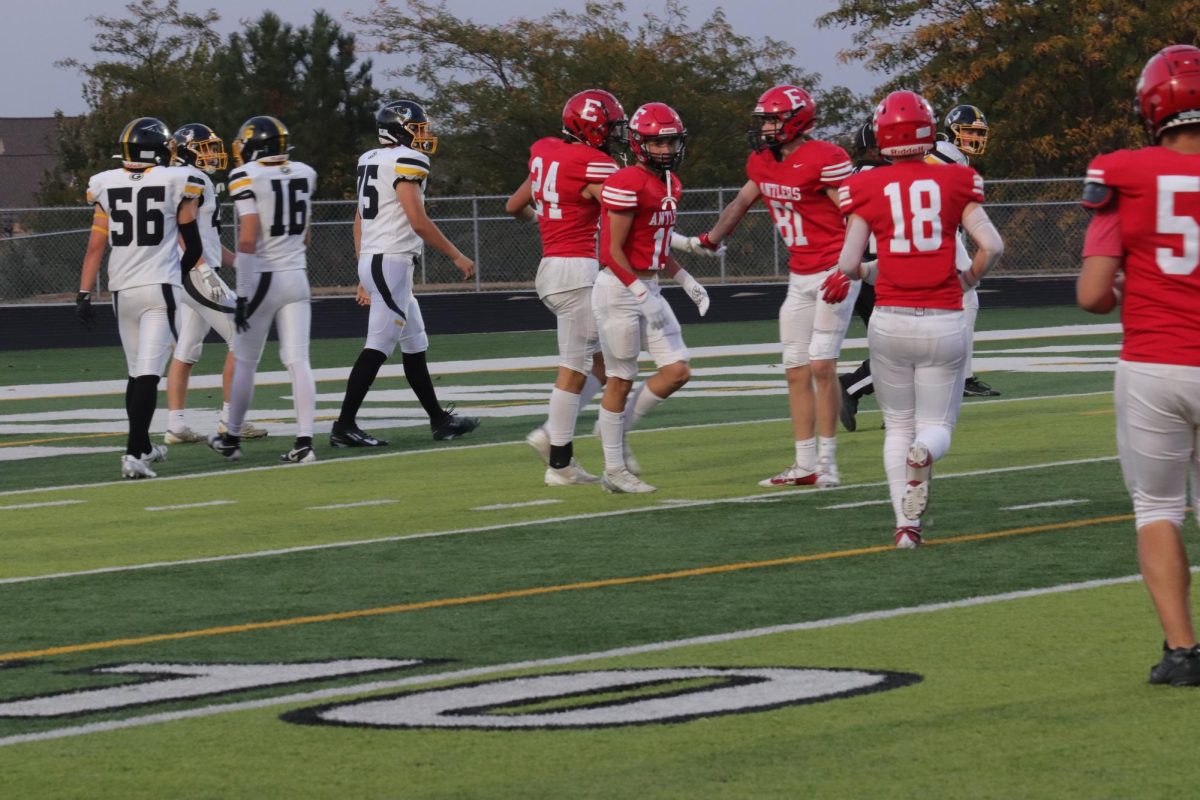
(836,287)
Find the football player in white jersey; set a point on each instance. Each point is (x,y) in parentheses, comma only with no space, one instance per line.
(207,300)
(391,229)
(273,196)
(965,132)
(142,209)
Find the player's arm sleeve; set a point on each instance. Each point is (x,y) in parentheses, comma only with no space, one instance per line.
(1097,194)
(1103,237)
(837,167)
(855,244)
(240,186)
(599,171)
(410,168)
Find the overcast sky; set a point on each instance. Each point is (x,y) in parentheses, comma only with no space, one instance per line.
(33,35)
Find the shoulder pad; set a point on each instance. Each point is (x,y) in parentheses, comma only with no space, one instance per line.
(1097,196)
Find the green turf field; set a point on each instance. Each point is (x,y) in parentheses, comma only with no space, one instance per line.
(215,632)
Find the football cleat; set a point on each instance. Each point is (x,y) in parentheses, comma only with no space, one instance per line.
(624,482)
(539,440)
(916,492)
(249,431)
(222,444)
(570,475)
(299,454)
(849,411)
(1179,667)
(792,476)
(184,435)
(158,453)
(973,387)
(134,467)
(453,426)
(352,436)
(907,537)
(828,476)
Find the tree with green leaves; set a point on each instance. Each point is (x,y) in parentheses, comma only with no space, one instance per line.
(1055,78)
(311,79)
(158,61)
(494,89)
(153,62)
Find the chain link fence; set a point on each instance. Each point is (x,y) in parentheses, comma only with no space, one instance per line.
(41,249)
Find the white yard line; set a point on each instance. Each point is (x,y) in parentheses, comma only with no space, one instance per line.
(1048,504)
(43,505)
(618,652)
(117,387)
(777,493)
(858,505)
(192,505)
(228,470)
(359,504)
(527,503)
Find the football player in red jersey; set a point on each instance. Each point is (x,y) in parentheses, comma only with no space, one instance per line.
(1142,252)
(917,334)
(639,205)
(562,193)
(797,178)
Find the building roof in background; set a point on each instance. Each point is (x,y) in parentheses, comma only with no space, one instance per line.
(26,153)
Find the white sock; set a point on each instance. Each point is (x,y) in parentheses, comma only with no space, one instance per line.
(612,434)
(175,421)
(240,395)
(564,408)
(806,454)
(225,413)
(304,397)
(644,401)
(827,447)
(590,387)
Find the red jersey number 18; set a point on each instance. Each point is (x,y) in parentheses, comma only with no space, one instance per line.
(925,211)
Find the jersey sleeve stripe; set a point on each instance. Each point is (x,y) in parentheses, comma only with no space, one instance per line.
(194,179)
(411,171)
(622,200)
(840,168)
(416,162)
(192,190)
(599,169)
(240,183)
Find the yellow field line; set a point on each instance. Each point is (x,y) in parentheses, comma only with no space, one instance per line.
(60,439)
(514,594)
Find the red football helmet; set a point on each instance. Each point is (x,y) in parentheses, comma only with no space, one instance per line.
(595,118)
(657,121)
(1168,91)
(792,106)
(904,125)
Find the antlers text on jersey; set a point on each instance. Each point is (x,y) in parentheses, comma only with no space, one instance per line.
(775,191)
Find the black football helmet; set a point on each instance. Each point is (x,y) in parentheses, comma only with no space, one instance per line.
(146,141)
(405,122)
(967,129)
(196,145)
(259,138)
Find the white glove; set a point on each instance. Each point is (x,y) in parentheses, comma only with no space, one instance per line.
(211,283)
(694,289)
(693,245)
(654,308)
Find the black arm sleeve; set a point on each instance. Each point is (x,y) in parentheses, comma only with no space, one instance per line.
(193,248)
